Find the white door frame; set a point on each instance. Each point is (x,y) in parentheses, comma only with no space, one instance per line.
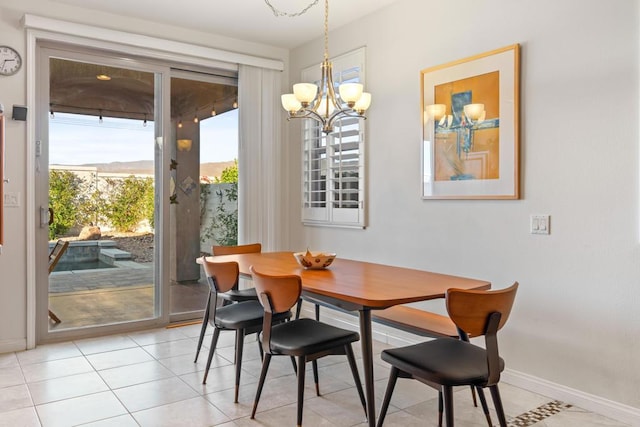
(45,29)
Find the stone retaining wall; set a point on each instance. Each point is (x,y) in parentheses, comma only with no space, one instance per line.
(84,250)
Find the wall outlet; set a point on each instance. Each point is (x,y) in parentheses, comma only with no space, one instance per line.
(539,224)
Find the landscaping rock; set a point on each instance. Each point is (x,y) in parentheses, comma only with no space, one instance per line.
(90,232)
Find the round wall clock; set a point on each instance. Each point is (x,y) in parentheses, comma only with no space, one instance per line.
(10,61)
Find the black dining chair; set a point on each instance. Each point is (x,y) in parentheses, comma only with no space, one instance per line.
(232,295)
(305,339)
(246,294)
(235,294)
(245,317)
(444,363)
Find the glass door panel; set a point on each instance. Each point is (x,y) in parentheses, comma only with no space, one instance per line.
(102,162)
(204,207)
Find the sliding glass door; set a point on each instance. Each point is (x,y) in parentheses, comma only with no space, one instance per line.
(137,176)
(100,157)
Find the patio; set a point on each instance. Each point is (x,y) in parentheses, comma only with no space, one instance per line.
(96,297)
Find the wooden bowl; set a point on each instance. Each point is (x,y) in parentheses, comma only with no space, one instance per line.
(314,260)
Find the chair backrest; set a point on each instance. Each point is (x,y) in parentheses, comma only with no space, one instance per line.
(56,253)
(222,276)
(281,292)
(470,309)
(239,249)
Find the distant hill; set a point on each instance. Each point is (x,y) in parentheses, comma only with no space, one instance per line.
(212,169)
(215,168)
(140,166)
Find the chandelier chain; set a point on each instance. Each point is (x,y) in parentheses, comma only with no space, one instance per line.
(326,30)
(277,12)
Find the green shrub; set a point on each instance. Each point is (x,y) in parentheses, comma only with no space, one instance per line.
(66,196)
(223,228)
(130,201)
(230,174)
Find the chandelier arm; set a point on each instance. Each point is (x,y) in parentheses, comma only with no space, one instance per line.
(318,101)
(340,114)
(327,123)
(307,114)
(325,89)
(331,93)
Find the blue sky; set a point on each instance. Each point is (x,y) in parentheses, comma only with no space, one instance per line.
(76,139)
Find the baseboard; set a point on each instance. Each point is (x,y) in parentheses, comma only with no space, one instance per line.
(599,405)
(8,346)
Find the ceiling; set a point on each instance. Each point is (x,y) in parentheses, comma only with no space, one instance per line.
(249,20)
(129,94)
(75,89)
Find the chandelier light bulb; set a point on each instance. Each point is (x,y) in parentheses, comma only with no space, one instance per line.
(322,109)
(363,103)
(290,103)
(435,111)
(474,111)
(305,92)
(350,93)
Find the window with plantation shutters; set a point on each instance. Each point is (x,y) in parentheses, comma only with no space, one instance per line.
(333,165)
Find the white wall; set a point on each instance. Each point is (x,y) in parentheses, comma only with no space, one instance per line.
(13,90)
(576,321)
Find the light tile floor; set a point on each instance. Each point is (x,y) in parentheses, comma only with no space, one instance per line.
(149,379)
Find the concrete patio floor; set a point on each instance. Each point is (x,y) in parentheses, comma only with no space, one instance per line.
(104,296)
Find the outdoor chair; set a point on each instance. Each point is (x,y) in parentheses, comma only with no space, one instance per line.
(54,256)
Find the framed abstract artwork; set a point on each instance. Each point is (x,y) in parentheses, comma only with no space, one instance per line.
(470,124)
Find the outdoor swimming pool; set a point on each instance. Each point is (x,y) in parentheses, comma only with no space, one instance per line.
(82,265)
(90,255)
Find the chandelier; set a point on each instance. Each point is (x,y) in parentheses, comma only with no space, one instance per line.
(464,123)
(319,101)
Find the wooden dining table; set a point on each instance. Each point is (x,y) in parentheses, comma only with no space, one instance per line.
(357,286)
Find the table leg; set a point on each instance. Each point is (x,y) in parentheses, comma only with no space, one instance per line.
(367,361)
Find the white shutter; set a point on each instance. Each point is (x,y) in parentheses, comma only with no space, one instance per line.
(333,167)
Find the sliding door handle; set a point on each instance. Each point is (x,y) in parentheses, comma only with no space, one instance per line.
(46,217)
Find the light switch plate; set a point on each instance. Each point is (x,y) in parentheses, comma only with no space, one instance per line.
(540,224)
(11,200)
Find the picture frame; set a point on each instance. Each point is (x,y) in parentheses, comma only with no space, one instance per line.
(470,126)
